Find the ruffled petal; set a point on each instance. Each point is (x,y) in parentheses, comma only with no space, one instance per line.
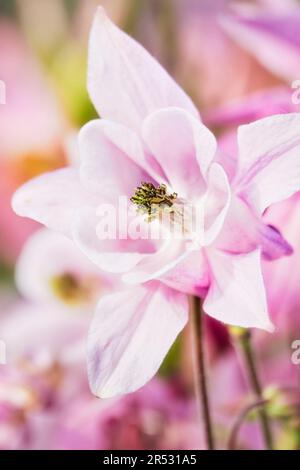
(183,146)
(217,202)
(110,155)
(237,294)
(167,257)
(190,275)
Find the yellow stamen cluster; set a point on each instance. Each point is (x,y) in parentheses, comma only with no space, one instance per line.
(69,289)
(151,200)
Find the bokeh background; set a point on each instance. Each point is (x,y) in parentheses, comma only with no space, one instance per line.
(240,61)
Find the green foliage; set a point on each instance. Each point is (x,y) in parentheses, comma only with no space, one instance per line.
(8,8)
(68,72)
(170,364)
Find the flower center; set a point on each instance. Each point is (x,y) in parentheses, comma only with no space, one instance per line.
(69,289)
(153,200)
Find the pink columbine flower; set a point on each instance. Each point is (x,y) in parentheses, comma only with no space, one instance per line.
(151,132)
(52,270)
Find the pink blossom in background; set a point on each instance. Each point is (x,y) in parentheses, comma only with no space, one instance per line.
(151,132)
(157,417)
(271,36)
(16,399)
(29,97)
(39,336)
(45,370)
(277,100)
(52,270)
(31,129)
(252,46)
(13,233)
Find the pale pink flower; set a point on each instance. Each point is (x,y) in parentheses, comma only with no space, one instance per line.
(151,132)
(52,270)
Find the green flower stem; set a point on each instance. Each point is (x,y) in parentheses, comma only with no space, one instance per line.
(240,421)
(199,370)
(243,337)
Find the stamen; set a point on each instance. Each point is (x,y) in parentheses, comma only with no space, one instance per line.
(69,289)
(151,200)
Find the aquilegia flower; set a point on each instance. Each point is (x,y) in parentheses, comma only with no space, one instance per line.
(151,146)
(51,270)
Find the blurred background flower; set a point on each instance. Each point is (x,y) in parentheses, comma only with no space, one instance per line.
(238,60)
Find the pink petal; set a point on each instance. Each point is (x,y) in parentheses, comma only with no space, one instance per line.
(125,82)
(190,276)
(217,202)
(243,231)
(183,146)
(52,199)
(272,39)
(273,245)
(269,163)
(130,335)
(276,100)
(114,254)
(167,257)
(108,153)
(240,232)
(237,295)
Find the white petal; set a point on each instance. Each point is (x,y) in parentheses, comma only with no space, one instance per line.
(125,82)
(52,199)
(269,162)
(237,294)
(130,335)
